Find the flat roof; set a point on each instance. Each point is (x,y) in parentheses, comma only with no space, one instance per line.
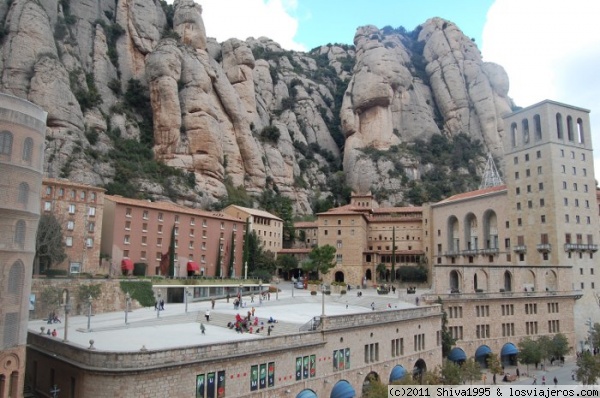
(176,328)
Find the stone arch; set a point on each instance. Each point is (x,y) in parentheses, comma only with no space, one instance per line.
(368,275)
(27,154)
(551,280)
(6,142)
(455,281)
(580,132)
(19,238)
(490,229)
(419,369)
(508,279)
(559,127)
(482,279)
(529,280)
(339,276)
(537,127)
(471,230)
(371,377)
(453,234)
(307,393)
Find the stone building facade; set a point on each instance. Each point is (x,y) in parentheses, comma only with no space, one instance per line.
(22,135)
(141,231)
(346,349)
(268,227)
(78,208)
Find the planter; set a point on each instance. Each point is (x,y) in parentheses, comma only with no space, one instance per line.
(313,292)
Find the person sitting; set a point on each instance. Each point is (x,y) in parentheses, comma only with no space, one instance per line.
(271,320)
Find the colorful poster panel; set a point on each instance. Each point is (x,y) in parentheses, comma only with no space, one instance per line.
(347,358)
(262,380)
(210,385)
(200,386)
(221,384)
(313,365)
(253,377)
(341,357)
(298,368)
(305,367)
(335,360)
(271,375)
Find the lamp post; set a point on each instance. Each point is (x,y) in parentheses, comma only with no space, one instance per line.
(293,289)
(89,312)
(185,297)
(322,299)
(158,307)
(246,270)
(240,294)
(127,303)
(67,304)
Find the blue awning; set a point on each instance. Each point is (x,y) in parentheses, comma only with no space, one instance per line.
(397,373)
(482,351)
(457,355)
(306,394)
(509,349)
(342,389)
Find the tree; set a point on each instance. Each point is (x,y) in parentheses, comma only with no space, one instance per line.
(494,364)
(320,259)
(380,270)
(49,244)
(529,352)
(451,372)
(447,340)
(545,346)
(171,271)
(287,263)
(471,371)
(588,368)
(595,335)
(559,346)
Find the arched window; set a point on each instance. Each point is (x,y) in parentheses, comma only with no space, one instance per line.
(23,192)
(525,126)
(15,278)
(453,236)
(20,233)
(27,150)
(454,281)
(559,126)
(580,134)
(475,282)
(471,232)
(513,134)
(6,141)
(507,282)
(569,128)
(537,125)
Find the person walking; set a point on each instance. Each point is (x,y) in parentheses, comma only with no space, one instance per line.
(373,306)
(555,381)
(212,302)
(252,298)
(202,328)
(162,304)
(207,315)
(543,380)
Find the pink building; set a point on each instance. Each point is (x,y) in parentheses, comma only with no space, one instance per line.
(139,231)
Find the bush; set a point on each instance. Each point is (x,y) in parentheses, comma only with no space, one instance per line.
(313,293)
(140,291)
(271,134)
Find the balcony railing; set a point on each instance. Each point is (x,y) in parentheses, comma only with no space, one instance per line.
(471,252)
(580,247)
(544,248)
(491,250)
(456,294)
(520,249)
(452,253)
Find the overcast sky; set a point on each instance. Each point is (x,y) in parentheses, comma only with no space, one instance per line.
(550,49)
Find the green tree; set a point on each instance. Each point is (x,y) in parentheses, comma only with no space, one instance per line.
(287,263)
(471,371)
(49,243)
(493,363)
(588,368)
(51,297)
(545,347)
(375,389)
(84,292)
(529,352)
(232,255)
(320,259)
(447,340)
(595,335)
(451,372)
(380,271)
(559,346)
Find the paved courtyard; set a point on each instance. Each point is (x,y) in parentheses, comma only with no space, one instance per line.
(173,327)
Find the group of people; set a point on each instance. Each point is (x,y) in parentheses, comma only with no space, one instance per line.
(159,305)
(53,318)
(52,333)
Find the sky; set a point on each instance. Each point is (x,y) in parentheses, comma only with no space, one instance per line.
(550,49)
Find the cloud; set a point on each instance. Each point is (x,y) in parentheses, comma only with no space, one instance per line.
(225,19)
(550,50)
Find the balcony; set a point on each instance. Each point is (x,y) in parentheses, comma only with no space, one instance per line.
(521,249)
(544,247)
(490,251)
(470,252)
(569,247)
(451,253)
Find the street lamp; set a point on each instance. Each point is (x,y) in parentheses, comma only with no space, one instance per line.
(158,306)
(67,304)
(322,299)
(127,304)
(185,293)
(293,286)
(246,270)
(89,312)
(240,294)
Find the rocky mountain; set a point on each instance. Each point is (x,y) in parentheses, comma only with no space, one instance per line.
(142,101)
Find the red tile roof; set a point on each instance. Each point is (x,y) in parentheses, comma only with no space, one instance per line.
(305,224)
(473,194)
(67,183)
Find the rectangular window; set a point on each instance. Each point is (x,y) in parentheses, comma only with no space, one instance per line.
(47,206)
(145,227)
(126,239)
(176,219)
(145,215)
(338,258)
(538,154)
(128,212)
(71,209)
(91,211)
(91,227)
(160,217)
(69,241)
(89,242)
(541,186)
(70,225)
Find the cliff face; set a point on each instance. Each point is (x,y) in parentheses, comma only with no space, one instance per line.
(241,113)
